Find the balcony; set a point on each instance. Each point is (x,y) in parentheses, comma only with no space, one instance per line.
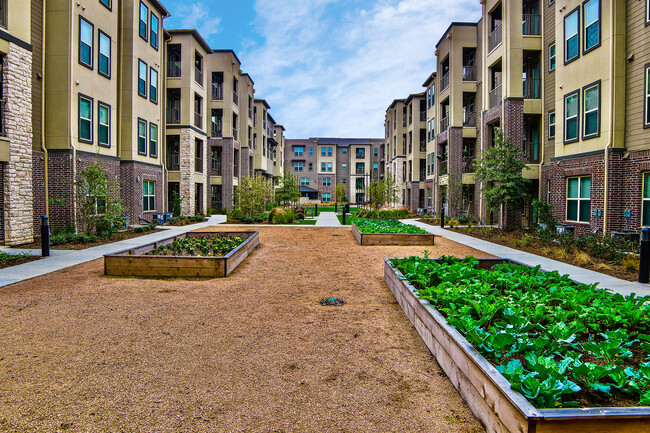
(234,133)
(198,120)
(250,113)
(361,155)
(423,174)
(423,145)
(423,116)
(217,92)
(532,88)
(443,167)
(469,120)
(444,81)
(469,73)
(216,130)
(360,171)
(198,76)
(235,98)
(198,165)
(3,133)
(531,150)
(174,161)
(494,40)
(530,24)
(468,165)
(495,96)
(174,116)
(216,167)
(444,123)
(174,69)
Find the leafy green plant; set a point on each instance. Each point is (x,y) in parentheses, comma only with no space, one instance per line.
(200,246)
(386,226)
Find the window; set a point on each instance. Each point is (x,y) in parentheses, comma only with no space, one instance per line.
(551,124)
(323,166)
(361,167)
(329,151)
(104,53)
(647,12)
(571,36)
(153,34)
(153,85)
(142,78)
(591,119)
(344,180)
(85,119)
(591,33)
(148,195)
(344,166)
(647,96)
(142,137)
(329,166)
(144,19)
(107,3)
(298,151)
(327,181)
(311,166)
(344,151)
(323,151)
(375,167)
(103,124)
(571,117)
(297,166)
(86,30)
(646,200)
(153,140)
(375,153)
(327,197)
(311,151)
(551,57)
(430,97)
(578,199)
(304,181)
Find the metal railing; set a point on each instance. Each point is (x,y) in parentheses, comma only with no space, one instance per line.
(174,69)
(444,81)
(234,133)
(530,24)
(423,116)
(444,123)
(360,171)
(469,119)
(174,161)
(468,165)
(235,98)
(174,116)
(216,166)
(443,167)
(216,129)
(531,150)
(198,76)
(532,88)
(360,155)
(423,174)
(469,73)
(250,113)
(494,40)
(2,117)
(217,92)
(198,120)
(495,96)
(198,165)
(423,145)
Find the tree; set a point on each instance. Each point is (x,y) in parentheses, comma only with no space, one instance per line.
(499,168)
(287,192)
(99,208)
(382,192)
(339,193)
(253,195)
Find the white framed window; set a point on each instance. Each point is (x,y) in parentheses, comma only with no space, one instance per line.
(344,151)
(591,115)
(148,195)
(297,166)
(142,137)
(153,85)
(551,57)
(578,199)
(144,21)
(323,166)
(304,181)
(344,166)
(311,151)
(329,151)
(329,166)
(646,122)
(327,181)
(298,151)
(571,129)
(104,54)
(551,124)
(153,34)
(572,35)
(107,3)
(85,119)
(86,32)
(645,201)
(153,140)
(591,31)
(103,124)
(311,166)
(142,78)
(327,197)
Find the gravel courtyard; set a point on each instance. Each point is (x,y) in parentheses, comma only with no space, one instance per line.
(255,352)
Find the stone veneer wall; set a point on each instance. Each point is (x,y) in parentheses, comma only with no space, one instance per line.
(187,187)
(17,173)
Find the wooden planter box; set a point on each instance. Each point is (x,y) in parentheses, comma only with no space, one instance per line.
(391,238)
(132,262)
(487,393)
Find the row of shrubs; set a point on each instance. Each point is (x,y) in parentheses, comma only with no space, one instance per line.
(612,249)
(276,215)
(384,214)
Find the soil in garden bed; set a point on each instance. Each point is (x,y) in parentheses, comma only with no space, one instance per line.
(118,236)
(17,261)
(514,238)
(254,352)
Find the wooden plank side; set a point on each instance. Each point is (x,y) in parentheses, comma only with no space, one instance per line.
(357,234)
(169,272)
(587,425)
(397,239)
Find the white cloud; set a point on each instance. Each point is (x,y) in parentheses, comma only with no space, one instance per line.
(332,67)
(193,16)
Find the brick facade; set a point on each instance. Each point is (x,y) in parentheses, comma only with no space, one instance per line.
(132,175)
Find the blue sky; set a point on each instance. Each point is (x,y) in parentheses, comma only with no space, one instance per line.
(327,67)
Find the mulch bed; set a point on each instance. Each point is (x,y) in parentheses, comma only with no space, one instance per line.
(254,352)
(17,261)
(119,236)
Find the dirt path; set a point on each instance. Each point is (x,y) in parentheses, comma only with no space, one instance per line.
(255,352)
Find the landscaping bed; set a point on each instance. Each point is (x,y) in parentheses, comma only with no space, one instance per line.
(7,259)
(194,254)
(624,267)
(560,343)
(70,241)
(389,232)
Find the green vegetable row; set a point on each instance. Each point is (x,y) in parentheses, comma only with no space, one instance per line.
(557,342)
(199,246)
(386,226)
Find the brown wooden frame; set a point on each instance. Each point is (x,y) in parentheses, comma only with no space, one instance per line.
(392,238)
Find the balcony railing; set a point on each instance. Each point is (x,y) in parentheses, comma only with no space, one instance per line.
(216,166)
(532,88)
(198,76)
(530,24)
(423,174)
(410,118)
(532,152)
(444,123)
(174,161)
(216,130)
(235,98)
(494,40)
(234,133)
(423,145)
(198,165)
(2,118)
(174,69)
(444,81)
(361,155)
(443,167)
(423,116)
(174,116)
(468,165)
(469,120)
(360,171)
(198,120)
(250,113)
(469,73)
(217,92)
(495,96)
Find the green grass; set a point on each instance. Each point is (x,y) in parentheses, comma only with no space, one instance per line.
(304,222)
(353,209)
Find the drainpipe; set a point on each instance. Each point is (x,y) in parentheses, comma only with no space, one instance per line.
(611,115)
(43,147)
(70,129)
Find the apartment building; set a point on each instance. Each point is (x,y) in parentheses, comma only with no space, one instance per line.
(320,164)
(97,96)
(264,140)
(16,58)
(395,124)
(430,161)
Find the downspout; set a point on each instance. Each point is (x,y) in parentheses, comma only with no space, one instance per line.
(70,131)
(611,114)
(118,147)
(43,147)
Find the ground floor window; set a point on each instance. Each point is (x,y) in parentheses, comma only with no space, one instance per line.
(327,197)
(429,198)
(646,199)
(578,199)
(215,196)
(304,181)
(360,197)
(149,195)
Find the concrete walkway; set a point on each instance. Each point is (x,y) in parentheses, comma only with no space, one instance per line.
(578,274)
(63,259)
(328,219)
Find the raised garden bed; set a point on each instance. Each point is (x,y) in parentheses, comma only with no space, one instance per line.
(196,259)
(389,232)
(486,391)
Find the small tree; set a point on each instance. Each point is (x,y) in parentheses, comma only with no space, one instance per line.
(99,208)
(287,192)
(382,192)
(253,194)
(339,193)
(500,168)
(176,204)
